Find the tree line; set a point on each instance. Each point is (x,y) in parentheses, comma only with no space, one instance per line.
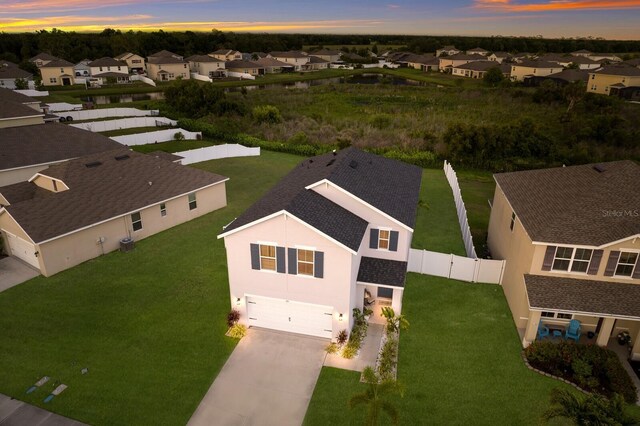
(73,46)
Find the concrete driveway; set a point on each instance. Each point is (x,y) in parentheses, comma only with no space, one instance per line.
(17,413)
(268,380)
(14,272)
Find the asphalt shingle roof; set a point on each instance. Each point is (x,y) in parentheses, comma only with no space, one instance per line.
(389,185)
(58,63)
(382,271)
(619,70)
(107,62)
(574,295)
(123,182)
(576,205)
(11,72)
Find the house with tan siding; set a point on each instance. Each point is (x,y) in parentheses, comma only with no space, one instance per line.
(571,240)
(167,66)
(613,77)
(524,69)
(42,58)
(447,63)
(207,66)
(299,60)
(331,236)
(57,73)
(134,62)
(245,67)
(226,55)
(329,55)
(83,208)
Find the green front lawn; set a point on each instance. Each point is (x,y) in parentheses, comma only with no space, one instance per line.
(148,324)
(459,360)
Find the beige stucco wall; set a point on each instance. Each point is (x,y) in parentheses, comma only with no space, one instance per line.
(48,183)
(375,219)
(131,64)
(22,121)
(515,247)
(204,68)
(252,71)
(600,83)
(518,71)
(178,70)
(73,249)
(96,71)
(336,288)
(51,72)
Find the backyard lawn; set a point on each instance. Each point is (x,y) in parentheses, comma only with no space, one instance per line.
(149,324)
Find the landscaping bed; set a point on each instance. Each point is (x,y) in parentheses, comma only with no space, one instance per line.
(593,368)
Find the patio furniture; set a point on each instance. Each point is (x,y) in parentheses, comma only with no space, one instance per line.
(557,333)
(573,331)
(543,330)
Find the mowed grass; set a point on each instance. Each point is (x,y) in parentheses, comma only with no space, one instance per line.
(477,189)
(459,362)
(173,146)
(148,324)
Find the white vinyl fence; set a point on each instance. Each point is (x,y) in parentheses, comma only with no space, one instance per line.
(154,137)
(142,78)
(95,114)
(216,152)
(55,107)
(125,123)
(196,76)
(32,92)
(240,75)
(456,267)
(452,178)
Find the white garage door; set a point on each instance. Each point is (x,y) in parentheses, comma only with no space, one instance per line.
(286,315)
(23,250)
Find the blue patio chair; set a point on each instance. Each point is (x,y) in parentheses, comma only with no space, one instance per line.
(573,331)
(543,331)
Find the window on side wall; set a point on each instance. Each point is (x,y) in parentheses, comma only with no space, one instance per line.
(556,315)
(626,264)
(136,221)
(305,262)
(383,239)
(192,201)
(163,209)
(513,221)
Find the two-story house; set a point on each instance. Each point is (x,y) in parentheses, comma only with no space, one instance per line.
(571,240)
(108,69)
(334,232)
(447,51)
(207,66)
(525,69)
(10,72)
(167,66)
(42,58)
(299,60)
(134,62)
(606,79)
(226,55)
(57,73)
(329,55)
(447,63)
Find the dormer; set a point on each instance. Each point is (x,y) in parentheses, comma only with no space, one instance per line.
(49,183)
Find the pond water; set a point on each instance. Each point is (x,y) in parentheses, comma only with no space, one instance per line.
(354,79)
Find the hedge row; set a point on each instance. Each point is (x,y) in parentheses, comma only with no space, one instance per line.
(424,159)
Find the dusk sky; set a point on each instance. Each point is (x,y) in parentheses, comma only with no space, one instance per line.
(612,19)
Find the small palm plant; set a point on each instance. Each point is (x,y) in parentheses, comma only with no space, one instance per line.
(375,398)
(394,322)
(589,410)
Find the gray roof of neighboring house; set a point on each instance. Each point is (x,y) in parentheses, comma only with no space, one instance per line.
(382,271)
(223,52)
(123,182)
(569,205)
(5,63)
(126,56)
(242,64)
(289,54)
(272,62)
(477,49)
(203,58)
(8,95)
(448,48)
(588,296)
(537,64)
(635,62)
(582,60)
(316,60)
(326,52)
(571,75)
(165,54)
(462,56)
(107,62)
(479,65)
(111,74)
(388,185)
(159,60)
(619,70)
(46,143)
(43,56)
(582,51)
(13,105)
(58,63)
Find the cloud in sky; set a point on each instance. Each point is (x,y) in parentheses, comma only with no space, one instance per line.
(554,6)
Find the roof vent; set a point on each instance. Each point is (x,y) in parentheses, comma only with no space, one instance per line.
(122,157)
(333,160)
(93,164)
(599,168)
(353,164)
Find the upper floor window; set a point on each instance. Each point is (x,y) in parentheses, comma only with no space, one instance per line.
(513,220)
(163,209)
(570,259)
(305,262)
(192,201)
(383,239)
(626,264)
(267,257)
(557,315)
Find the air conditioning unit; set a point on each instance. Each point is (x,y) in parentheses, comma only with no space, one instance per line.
(126,244)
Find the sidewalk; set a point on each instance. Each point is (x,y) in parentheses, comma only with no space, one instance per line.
(18,413)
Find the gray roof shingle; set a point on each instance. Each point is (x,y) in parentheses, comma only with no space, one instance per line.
(382,271)
(574,295)
(570,205)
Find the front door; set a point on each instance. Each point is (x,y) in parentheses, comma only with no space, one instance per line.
(66,81)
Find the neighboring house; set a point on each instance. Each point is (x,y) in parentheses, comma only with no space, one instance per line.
(17,110)
(207,66)
(499,57)
(328,55)
(522,56)
(83,208)
(582,52)
(561,78)
(635,62)
(272,65)
(571,240)
(82,69)
(419,62)
(226,55)
(10,72)
(605,79)
(299,60)
(336,228)
(477,69)
(477,51)
(42,59)
(134,62)
(583,63)
(106,69)
(609,57)
(524,69)
(316,64)
(167,66)
(57,73)
(245,67)
(448,50)
(447,63)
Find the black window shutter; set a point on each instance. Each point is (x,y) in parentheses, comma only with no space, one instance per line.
(594,265)
(373,240)
(393,241)
(293,261)
(548,258)
(612,263)
(280,261)
(636,271)
(255,256)
(318,264)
